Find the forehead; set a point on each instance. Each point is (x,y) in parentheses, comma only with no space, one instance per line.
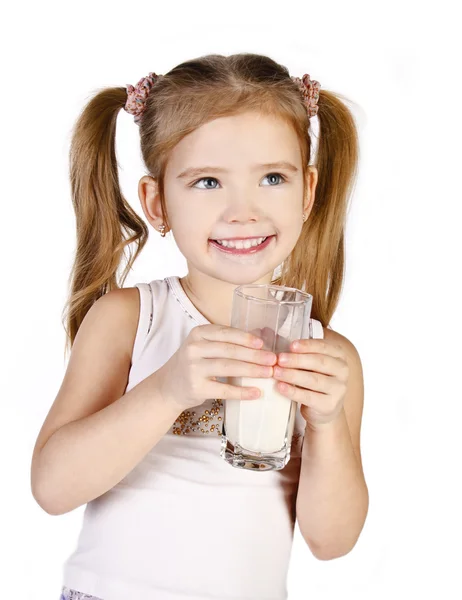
(237,141)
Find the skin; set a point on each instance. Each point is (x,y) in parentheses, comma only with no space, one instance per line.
(240,203)
(325,376)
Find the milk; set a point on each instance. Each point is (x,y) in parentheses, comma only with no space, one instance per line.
(261,424)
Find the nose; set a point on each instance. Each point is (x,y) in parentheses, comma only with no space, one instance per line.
(241,212)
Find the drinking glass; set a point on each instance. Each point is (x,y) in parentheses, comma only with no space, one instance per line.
(257,433)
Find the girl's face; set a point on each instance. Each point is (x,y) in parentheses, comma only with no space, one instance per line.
(236,196)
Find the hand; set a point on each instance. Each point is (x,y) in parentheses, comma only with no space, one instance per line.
(317,373)
(188,378)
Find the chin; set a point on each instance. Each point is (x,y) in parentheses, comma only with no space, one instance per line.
(241,278)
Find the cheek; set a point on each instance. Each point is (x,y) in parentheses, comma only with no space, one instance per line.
(288,235)
(289,226)
(191,232)
(285,215)
(186,218)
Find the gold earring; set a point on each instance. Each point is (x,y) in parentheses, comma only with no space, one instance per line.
(304,217)
(162,230)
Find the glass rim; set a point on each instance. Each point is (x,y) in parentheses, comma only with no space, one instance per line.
(239,292)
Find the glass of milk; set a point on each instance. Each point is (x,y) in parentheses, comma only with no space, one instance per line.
(257,433)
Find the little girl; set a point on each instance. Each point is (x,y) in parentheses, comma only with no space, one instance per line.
(133,432)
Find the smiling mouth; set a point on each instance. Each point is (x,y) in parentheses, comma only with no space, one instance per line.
(242,250)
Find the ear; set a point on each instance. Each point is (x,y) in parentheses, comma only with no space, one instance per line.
(311,181)
(148,193)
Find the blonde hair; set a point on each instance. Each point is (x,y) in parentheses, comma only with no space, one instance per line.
(191,94)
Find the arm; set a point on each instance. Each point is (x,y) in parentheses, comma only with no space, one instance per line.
(333,499)
(85,458)
(94,433)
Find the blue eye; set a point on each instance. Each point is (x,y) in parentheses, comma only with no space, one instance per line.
(215,179)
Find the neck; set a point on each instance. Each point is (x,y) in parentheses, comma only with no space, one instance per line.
(213,297)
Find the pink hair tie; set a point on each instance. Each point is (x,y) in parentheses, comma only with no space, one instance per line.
(310,92)
(136,96)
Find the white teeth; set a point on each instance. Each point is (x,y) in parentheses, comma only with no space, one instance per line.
(240,244)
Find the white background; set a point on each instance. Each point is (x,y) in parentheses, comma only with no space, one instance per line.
(397,61)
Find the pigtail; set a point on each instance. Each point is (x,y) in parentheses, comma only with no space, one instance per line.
(105,222)
(316,264)
(190,95)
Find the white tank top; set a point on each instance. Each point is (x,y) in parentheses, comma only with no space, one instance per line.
(184,523)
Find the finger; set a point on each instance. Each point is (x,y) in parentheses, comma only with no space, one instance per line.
(317,345)
(226,391)
(209,349)
(323,363)
(306,379)
(311,398)
(223,367)
(223,333)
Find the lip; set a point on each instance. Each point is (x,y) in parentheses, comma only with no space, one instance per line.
(236,239)
(251,250)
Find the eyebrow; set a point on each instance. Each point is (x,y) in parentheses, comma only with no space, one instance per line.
(193,171)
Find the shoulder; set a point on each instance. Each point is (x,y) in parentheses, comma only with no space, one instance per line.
(354,396)
(124,301)
(350,351)
(99,364)
(340,340)
(122,307)
(125,298)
